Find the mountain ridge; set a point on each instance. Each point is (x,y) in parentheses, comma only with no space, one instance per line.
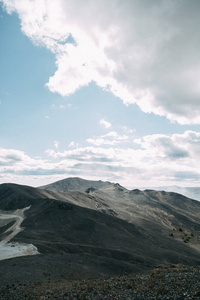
(134,230)
(76,183)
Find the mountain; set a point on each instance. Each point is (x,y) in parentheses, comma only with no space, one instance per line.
(14,196)
(190,192)
(75,184)
(76,228)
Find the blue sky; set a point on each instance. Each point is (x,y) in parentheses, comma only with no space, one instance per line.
(112,99)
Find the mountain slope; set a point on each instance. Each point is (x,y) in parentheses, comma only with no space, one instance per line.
(159,214)
(111,229)
(14,196)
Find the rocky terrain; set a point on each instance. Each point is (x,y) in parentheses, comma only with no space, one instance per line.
(171,282)
(83,229)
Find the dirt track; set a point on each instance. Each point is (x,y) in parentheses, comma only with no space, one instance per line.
(13,249)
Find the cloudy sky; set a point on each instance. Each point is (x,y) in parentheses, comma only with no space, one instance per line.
(100,89)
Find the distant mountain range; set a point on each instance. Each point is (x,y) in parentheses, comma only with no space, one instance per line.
(75,228)
(190,192)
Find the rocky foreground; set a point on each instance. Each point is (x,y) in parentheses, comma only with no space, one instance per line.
(173,282)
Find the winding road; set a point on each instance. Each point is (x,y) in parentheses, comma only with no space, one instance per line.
(10,249)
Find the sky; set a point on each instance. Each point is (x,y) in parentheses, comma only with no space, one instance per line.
(100,89)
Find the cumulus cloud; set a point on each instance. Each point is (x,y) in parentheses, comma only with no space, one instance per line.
(111,138)
(56,144)
(144,52)
(105,123)
(73,145)
(173,147)
(14,161)
(128,130)
(10,156)
(157,160)
(17,167)
(160,159)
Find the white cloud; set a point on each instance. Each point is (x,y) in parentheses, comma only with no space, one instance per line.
(14,161)
(128,130)
(73,145)
(111,138)
(159,160)
(100,141)
(56,144)
(146,53)
(172,147)
(105,123)
(115,135)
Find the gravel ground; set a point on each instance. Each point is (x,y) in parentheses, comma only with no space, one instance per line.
(173,282)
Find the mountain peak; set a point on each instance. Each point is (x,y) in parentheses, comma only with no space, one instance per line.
(76,184)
